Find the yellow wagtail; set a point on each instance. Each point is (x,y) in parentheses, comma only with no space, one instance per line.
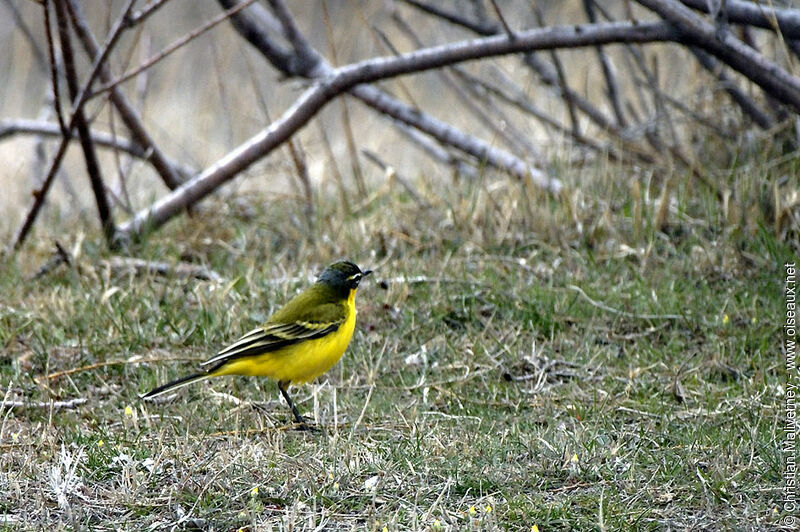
(301,341)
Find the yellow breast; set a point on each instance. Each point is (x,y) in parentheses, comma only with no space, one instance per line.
(301,362)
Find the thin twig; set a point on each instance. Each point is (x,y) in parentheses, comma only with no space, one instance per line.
(745,102)
(140,16)
(612,310)
(51,53)
(171,174)
(612,87)
(393,175)
(503,21)
(512,138)
(770,76)
(60,256)
(180,43)
(566,92)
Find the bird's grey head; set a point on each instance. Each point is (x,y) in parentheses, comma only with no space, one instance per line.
(343,275)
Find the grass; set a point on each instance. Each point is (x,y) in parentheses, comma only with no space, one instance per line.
(510,371)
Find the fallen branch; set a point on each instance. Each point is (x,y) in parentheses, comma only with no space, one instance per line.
(612,310)
(120,265)
(56,405)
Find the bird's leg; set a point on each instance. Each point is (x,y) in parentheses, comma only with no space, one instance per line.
(282,386)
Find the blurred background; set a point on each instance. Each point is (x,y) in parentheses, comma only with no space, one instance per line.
(216,91)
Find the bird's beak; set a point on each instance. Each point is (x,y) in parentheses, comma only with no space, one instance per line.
(365,273)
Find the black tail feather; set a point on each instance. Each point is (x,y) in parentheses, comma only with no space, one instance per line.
(183,381)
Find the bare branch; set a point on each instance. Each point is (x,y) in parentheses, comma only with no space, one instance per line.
(612,87)
(168,172)
(760,14)
(78,103)
(775,81)
(480,28)
(222,17)
(140,16)
(397,110)
(514,139)
(503,21)
(82,126)
(9,128)
(51,54)
(744,101)
(547,73)
(353,77)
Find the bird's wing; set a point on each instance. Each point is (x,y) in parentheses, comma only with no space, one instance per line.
(273,336)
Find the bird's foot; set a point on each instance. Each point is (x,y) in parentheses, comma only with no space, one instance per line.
(302,423)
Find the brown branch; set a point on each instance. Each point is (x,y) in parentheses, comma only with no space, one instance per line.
(466,94)
(82,126)
(612,87)
(78,103)
(502,19)
(248,22)
(561,77)
(140,16)
(53,64)
(546,72)
(170,175)
(481,28)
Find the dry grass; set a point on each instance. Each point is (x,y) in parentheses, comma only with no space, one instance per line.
(517,363)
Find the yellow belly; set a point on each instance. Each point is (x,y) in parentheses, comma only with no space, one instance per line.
(301,362)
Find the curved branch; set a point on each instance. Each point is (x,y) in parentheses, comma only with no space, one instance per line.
(348,77)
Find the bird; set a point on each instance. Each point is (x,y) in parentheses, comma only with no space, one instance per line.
(301,341)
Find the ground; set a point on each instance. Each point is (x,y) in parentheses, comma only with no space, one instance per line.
(519,362)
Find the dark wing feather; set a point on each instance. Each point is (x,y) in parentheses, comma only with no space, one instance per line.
(271,337)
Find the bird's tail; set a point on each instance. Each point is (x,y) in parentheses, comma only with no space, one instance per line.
(183,381)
